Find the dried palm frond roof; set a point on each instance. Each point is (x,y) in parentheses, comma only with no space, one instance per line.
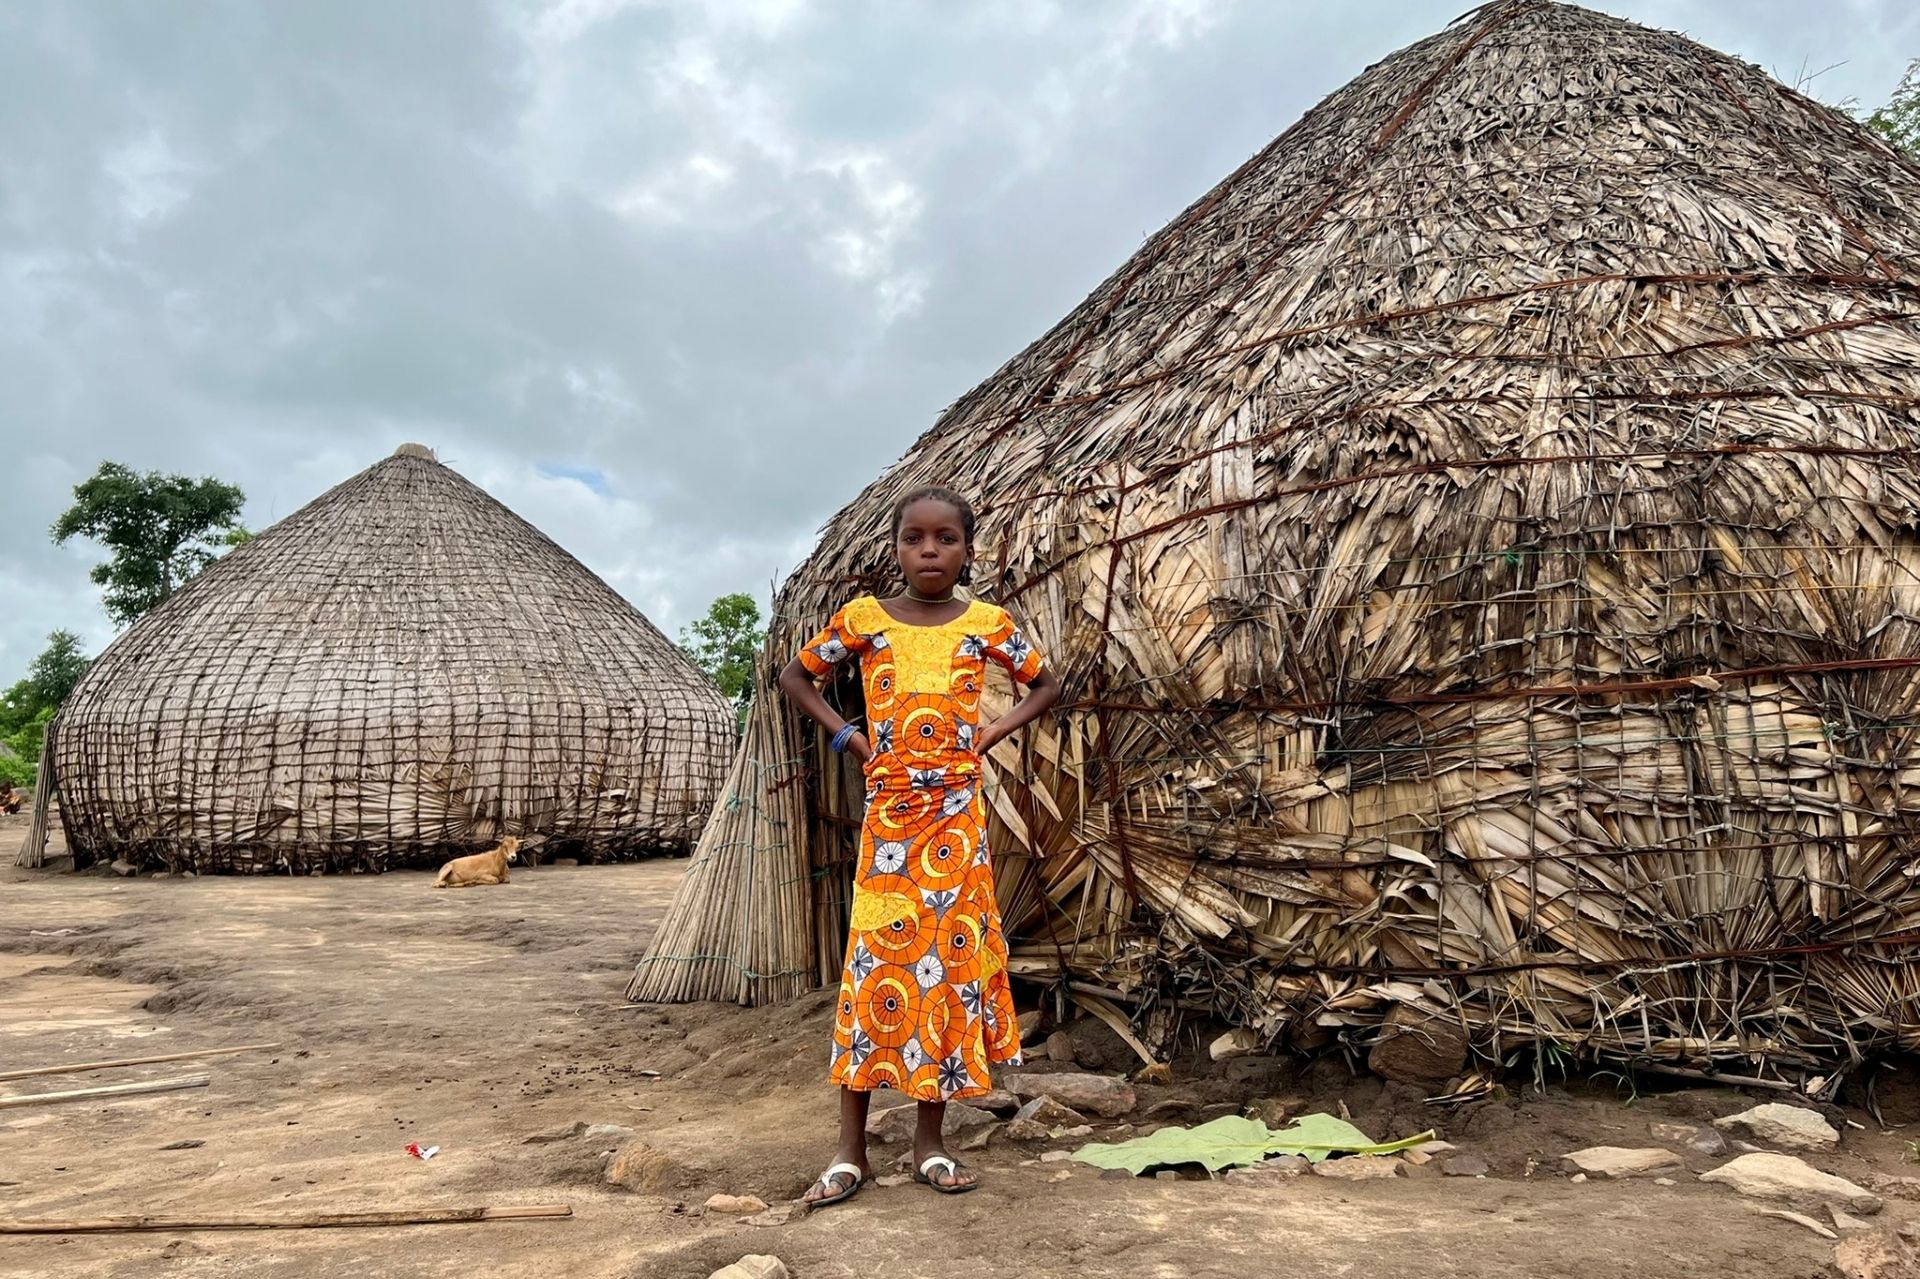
(1478,539)
(400,667)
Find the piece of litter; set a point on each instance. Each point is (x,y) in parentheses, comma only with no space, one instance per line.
(418,1151)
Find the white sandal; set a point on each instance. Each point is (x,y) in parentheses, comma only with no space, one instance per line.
(840,1196)
(952,1169)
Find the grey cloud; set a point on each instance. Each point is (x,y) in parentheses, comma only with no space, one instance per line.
(733,257)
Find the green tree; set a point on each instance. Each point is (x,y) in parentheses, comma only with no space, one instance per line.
(723,644)
(28,706)
(161,530)
(1899,121)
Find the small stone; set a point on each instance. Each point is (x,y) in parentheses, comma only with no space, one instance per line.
(1063,1175)
(1029,1026)
(1056,1156)
(1578,1178)
(1047,1111)
(1026,1130)
(1166,1174)
(552,1135)
(122,868)
(1418,1048)
(1894,1187)
(1784,1177)
(1278,1168)
(1235,1043)
(736,1205)
(1466,1166)
(1620,1161)
(961,1119)
(185,1143)
(159,874)
(892,1179)
(1096,1094)
(1115,1174)
(1073,1133)
(564,861)
(1359,1168)
(612,1134)
(1846,1223)
(894,1124)
(754,1266)
(1784,1127)
(1060,1048)
(1000,1101)
(1665,1181)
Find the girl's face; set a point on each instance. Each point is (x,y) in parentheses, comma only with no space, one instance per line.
(932,546)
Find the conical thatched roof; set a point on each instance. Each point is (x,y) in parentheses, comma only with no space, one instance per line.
(401,668)
(1479,542)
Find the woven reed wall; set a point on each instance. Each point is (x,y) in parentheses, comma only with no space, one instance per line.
(1479,543)
(401,669)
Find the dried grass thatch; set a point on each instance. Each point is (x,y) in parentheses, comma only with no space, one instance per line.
(1479,542)
(401,668)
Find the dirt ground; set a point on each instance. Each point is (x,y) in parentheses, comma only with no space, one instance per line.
(489,1022)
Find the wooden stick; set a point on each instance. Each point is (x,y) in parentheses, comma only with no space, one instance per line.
(1736,1081)
(300,1221)
(110,1090)
(83,1067)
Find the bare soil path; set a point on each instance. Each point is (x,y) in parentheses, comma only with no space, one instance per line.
(483,1020)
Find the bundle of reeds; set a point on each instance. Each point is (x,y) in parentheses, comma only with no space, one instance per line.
(1481,543)
(401,669)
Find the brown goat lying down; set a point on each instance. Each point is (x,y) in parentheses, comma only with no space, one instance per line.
(489,867)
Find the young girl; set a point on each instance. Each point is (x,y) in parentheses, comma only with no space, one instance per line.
(924,1004)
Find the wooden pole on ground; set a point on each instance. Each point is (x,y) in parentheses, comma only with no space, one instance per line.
(33,849)
(298,1221)
(110,1090)
(81,1068)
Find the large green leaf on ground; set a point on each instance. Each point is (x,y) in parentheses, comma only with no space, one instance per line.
(1235,1141)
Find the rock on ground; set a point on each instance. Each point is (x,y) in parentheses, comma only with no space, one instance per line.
(1416,1048)
(1466,1166)
(895,1124)
(1045,1110)
(1099,1094)
(1621,1161)
(1359,1168)
(1783,1177)
(754,1266)
(1881,1256)
(737,1205)
(1026,1130)
(1278,1168)
(1787,1127)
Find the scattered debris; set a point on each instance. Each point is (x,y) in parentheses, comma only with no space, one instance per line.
(1620,1161)
(1787,1127)
(419,1151)
(640,1167)
(1798,1219)
(1784,1177)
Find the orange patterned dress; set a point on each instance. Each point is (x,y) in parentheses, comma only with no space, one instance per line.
(925,1006)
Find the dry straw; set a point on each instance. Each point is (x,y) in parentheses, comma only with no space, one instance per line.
(401,668)
(1479,543)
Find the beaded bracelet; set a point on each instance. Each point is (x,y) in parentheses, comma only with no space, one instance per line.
(841,738)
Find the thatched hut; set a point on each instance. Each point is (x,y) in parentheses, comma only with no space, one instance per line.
(1481,542)
(400,669)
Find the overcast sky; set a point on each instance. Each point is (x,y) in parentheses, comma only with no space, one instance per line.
(671,280)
